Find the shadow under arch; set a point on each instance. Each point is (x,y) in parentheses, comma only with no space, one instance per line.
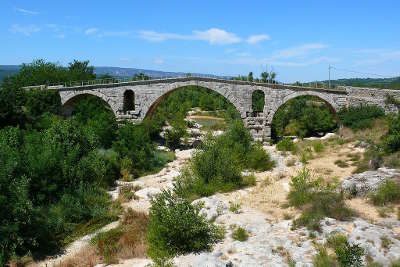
(153,107)
(316,100)
(67,108)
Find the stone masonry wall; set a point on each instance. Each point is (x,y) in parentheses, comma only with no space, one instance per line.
(149,93)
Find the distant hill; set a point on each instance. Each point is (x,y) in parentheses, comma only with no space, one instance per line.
(388,83)
(6,70)
(130,72)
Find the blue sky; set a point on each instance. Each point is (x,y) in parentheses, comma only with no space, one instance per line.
(297,39)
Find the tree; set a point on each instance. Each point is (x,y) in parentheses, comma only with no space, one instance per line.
(81,71)
(264,76)
(250,77)
(272,76)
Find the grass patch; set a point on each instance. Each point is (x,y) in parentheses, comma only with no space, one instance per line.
(342,164)
(317,200)
(387,192)
(234,207)
(125,241)
(240,234)
(127,193)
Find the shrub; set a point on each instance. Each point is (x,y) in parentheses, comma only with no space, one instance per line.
(176,228)
(360,117)
(240,234)
(302,186)
(391,140)
(317,201)
(387,192)
(286,145)
(133,142)
(258,159)
(349,255)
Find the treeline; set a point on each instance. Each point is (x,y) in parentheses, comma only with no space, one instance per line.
(265,77)
(54,171)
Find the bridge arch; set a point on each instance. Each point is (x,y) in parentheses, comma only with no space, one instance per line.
(149,111)
(324,97)
(67,102)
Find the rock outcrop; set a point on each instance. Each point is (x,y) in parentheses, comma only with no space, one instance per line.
(361,184)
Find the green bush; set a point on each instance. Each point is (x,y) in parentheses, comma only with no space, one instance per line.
(258,159)
(317,201)
(133,142)
(360,117)
(387,192)
(218,166)
(391,140)
(349,255)
(176,228)
(286,145)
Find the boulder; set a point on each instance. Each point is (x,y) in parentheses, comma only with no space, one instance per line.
(361,184)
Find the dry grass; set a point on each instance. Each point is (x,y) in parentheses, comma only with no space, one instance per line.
(127,241)
(86,257)
(127,193)
(374,134)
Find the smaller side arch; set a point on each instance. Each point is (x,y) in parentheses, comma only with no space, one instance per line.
(325,97)
(68,99)
(258,101)
(129,100)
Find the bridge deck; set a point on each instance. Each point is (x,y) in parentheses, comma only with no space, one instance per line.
(188,79)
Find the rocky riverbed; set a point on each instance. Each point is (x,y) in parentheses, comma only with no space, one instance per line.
(259,211)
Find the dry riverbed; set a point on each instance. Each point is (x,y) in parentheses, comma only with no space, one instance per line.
(262,213)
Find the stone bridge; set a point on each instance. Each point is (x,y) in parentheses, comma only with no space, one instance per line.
(136,100)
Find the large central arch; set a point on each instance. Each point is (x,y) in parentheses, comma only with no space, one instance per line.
(151,110)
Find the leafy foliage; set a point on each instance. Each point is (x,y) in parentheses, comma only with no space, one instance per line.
(303,116)
(360,117)
(176,227)
(218,166)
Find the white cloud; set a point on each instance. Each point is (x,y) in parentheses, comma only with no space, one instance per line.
(115,34)
(298,51)
(158,61)
(254,39)
(213,36)
(26,11)
(91,31)
(26,30)
(216,36)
